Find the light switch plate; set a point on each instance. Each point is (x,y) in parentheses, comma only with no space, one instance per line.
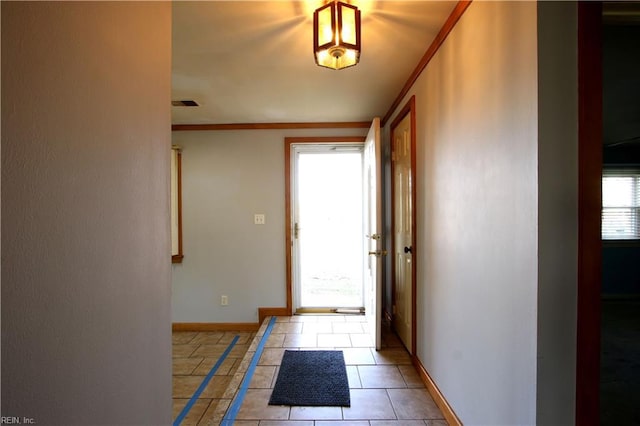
(259,219)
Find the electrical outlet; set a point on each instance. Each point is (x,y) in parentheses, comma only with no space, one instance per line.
(258,219)
(224,300)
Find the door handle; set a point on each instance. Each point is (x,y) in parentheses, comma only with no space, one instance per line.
(408,249)
(378,253)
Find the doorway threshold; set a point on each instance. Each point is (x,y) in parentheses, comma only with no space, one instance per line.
(339,311)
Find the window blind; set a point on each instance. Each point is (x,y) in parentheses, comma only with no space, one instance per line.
(621,204)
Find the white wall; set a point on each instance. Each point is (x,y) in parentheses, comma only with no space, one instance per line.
(85,212)
(477,193)
(227,177)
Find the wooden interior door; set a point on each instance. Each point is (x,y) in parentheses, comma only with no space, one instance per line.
(403,231)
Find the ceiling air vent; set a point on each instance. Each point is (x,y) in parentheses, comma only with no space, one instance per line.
(187,103)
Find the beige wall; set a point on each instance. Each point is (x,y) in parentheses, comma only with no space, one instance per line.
(557,212)
(497,214)
(478,164)
(477,217)
(227,177)
(85,212)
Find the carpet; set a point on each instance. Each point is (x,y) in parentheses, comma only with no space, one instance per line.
(620,362)
(312,378)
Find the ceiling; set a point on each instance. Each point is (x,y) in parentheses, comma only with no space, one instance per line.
(252,61)
(621,80)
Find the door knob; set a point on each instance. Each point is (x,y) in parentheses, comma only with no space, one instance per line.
(378,253)
(408,249)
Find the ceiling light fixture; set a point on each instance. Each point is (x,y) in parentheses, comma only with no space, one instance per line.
(336,35)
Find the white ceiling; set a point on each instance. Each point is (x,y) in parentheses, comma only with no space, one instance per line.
(252,61)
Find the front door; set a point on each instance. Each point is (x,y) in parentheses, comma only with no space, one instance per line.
(374,244)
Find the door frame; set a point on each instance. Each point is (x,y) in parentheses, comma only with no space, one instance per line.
(589,212)
(408,109)
(288,141)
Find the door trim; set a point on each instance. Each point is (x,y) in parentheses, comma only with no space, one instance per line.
(433,48)
(288,229)
(409,108)
(589,212)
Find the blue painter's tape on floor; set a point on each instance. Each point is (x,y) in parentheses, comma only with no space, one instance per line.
(230,417)
(204,383)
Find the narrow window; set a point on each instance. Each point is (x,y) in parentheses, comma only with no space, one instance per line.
(176,205)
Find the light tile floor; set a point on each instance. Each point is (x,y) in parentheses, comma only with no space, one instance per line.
(385,388)
(194,355)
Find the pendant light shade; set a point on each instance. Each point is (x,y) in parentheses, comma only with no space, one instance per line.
(336,35)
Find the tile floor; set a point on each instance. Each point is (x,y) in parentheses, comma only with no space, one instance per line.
(385,387)
(194,355)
